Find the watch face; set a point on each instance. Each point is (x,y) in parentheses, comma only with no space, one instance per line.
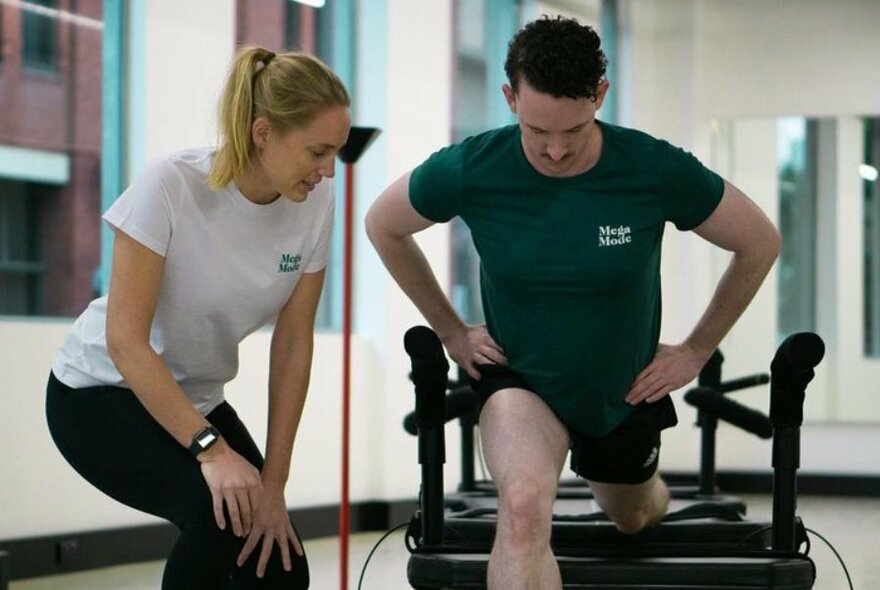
(206,439)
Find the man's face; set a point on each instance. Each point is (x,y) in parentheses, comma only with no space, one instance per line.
(557,133)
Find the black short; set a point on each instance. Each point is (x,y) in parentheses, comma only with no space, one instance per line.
(628,454)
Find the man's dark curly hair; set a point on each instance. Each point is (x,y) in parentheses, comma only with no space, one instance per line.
(558,56)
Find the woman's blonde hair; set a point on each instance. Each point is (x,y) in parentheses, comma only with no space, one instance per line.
(289,89)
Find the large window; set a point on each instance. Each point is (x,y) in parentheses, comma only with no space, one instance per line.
(21,265)
(869,174)
(282,25)
(39,32)
(2,33)
(310,29)
(50,156)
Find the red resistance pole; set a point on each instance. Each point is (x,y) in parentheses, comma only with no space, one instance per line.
(346,372)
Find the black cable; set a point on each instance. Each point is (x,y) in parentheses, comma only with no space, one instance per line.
(837,555)
(769,527)
(373,550)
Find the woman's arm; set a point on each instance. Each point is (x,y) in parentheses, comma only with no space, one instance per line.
(134,291)
(290,364)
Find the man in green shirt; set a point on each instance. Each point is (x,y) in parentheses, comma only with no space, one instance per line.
(567,214)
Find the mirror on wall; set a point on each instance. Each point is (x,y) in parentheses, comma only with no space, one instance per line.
(817,178)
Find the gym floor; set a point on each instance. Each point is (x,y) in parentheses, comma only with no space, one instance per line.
(850,524)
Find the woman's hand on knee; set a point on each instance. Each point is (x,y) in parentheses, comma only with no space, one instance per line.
(233,481)
(272,525)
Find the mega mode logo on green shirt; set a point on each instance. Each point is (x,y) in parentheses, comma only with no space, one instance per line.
(570,267)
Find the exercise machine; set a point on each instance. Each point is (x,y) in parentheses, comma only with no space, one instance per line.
(695,551)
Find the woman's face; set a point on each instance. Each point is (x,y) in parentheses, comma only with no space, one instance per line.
(295,161)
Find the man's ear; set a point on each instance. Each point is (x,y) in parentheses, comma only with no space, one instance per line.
(510,97)
(601,91)
(260,131)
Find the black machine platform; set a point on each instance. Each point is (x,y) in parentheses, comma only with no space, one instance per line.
(701,545)
(695,530)
(468,572)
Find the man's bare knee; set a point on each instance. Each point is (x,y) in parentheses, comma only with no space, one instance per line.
(634,514)
(635,521)
(525,513)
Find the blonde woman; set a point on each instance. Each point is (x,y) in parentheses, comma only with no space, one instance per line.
(209,245)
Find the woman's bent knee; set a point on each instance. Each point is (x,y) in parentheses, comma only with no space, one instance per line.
(206,557)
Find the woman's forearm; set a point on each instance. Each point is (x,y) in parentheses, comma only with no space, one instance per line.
(152,383)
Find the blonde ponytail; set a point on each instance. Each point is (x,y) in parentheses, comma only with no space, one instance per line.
(289,89)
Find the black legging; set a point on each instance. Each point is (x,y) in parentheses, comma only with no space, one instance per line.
(107,435)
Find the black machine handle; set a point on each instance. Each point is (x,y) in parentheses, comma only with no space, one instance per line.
(743,382)
(790,372)
(709,400)
(708,397)
(461,401)
(710,376)
(429,376)
(711,408)
(429,368)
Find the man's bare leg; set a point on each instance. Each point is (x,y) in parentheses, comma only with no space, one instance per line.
(525,446)
(633,507)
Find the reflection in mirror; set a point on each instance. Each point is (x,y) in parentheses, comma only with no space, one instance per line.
(869,173)
(796,267)
(824,175)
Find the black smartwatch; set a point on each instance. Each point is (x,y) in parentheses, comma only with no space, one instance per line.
(203,440)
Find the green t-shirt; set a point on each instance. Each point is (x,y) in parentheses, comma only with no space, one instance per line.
(570,267)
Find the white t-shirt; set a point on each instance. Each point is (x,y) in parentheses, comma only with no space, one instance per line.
(230,265)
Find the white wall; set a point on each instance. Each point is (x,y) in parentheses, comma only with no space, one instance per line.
(185,70)
(681,58)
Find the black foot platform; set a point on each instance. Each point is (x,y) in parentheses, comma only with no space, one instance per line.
(435,571)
